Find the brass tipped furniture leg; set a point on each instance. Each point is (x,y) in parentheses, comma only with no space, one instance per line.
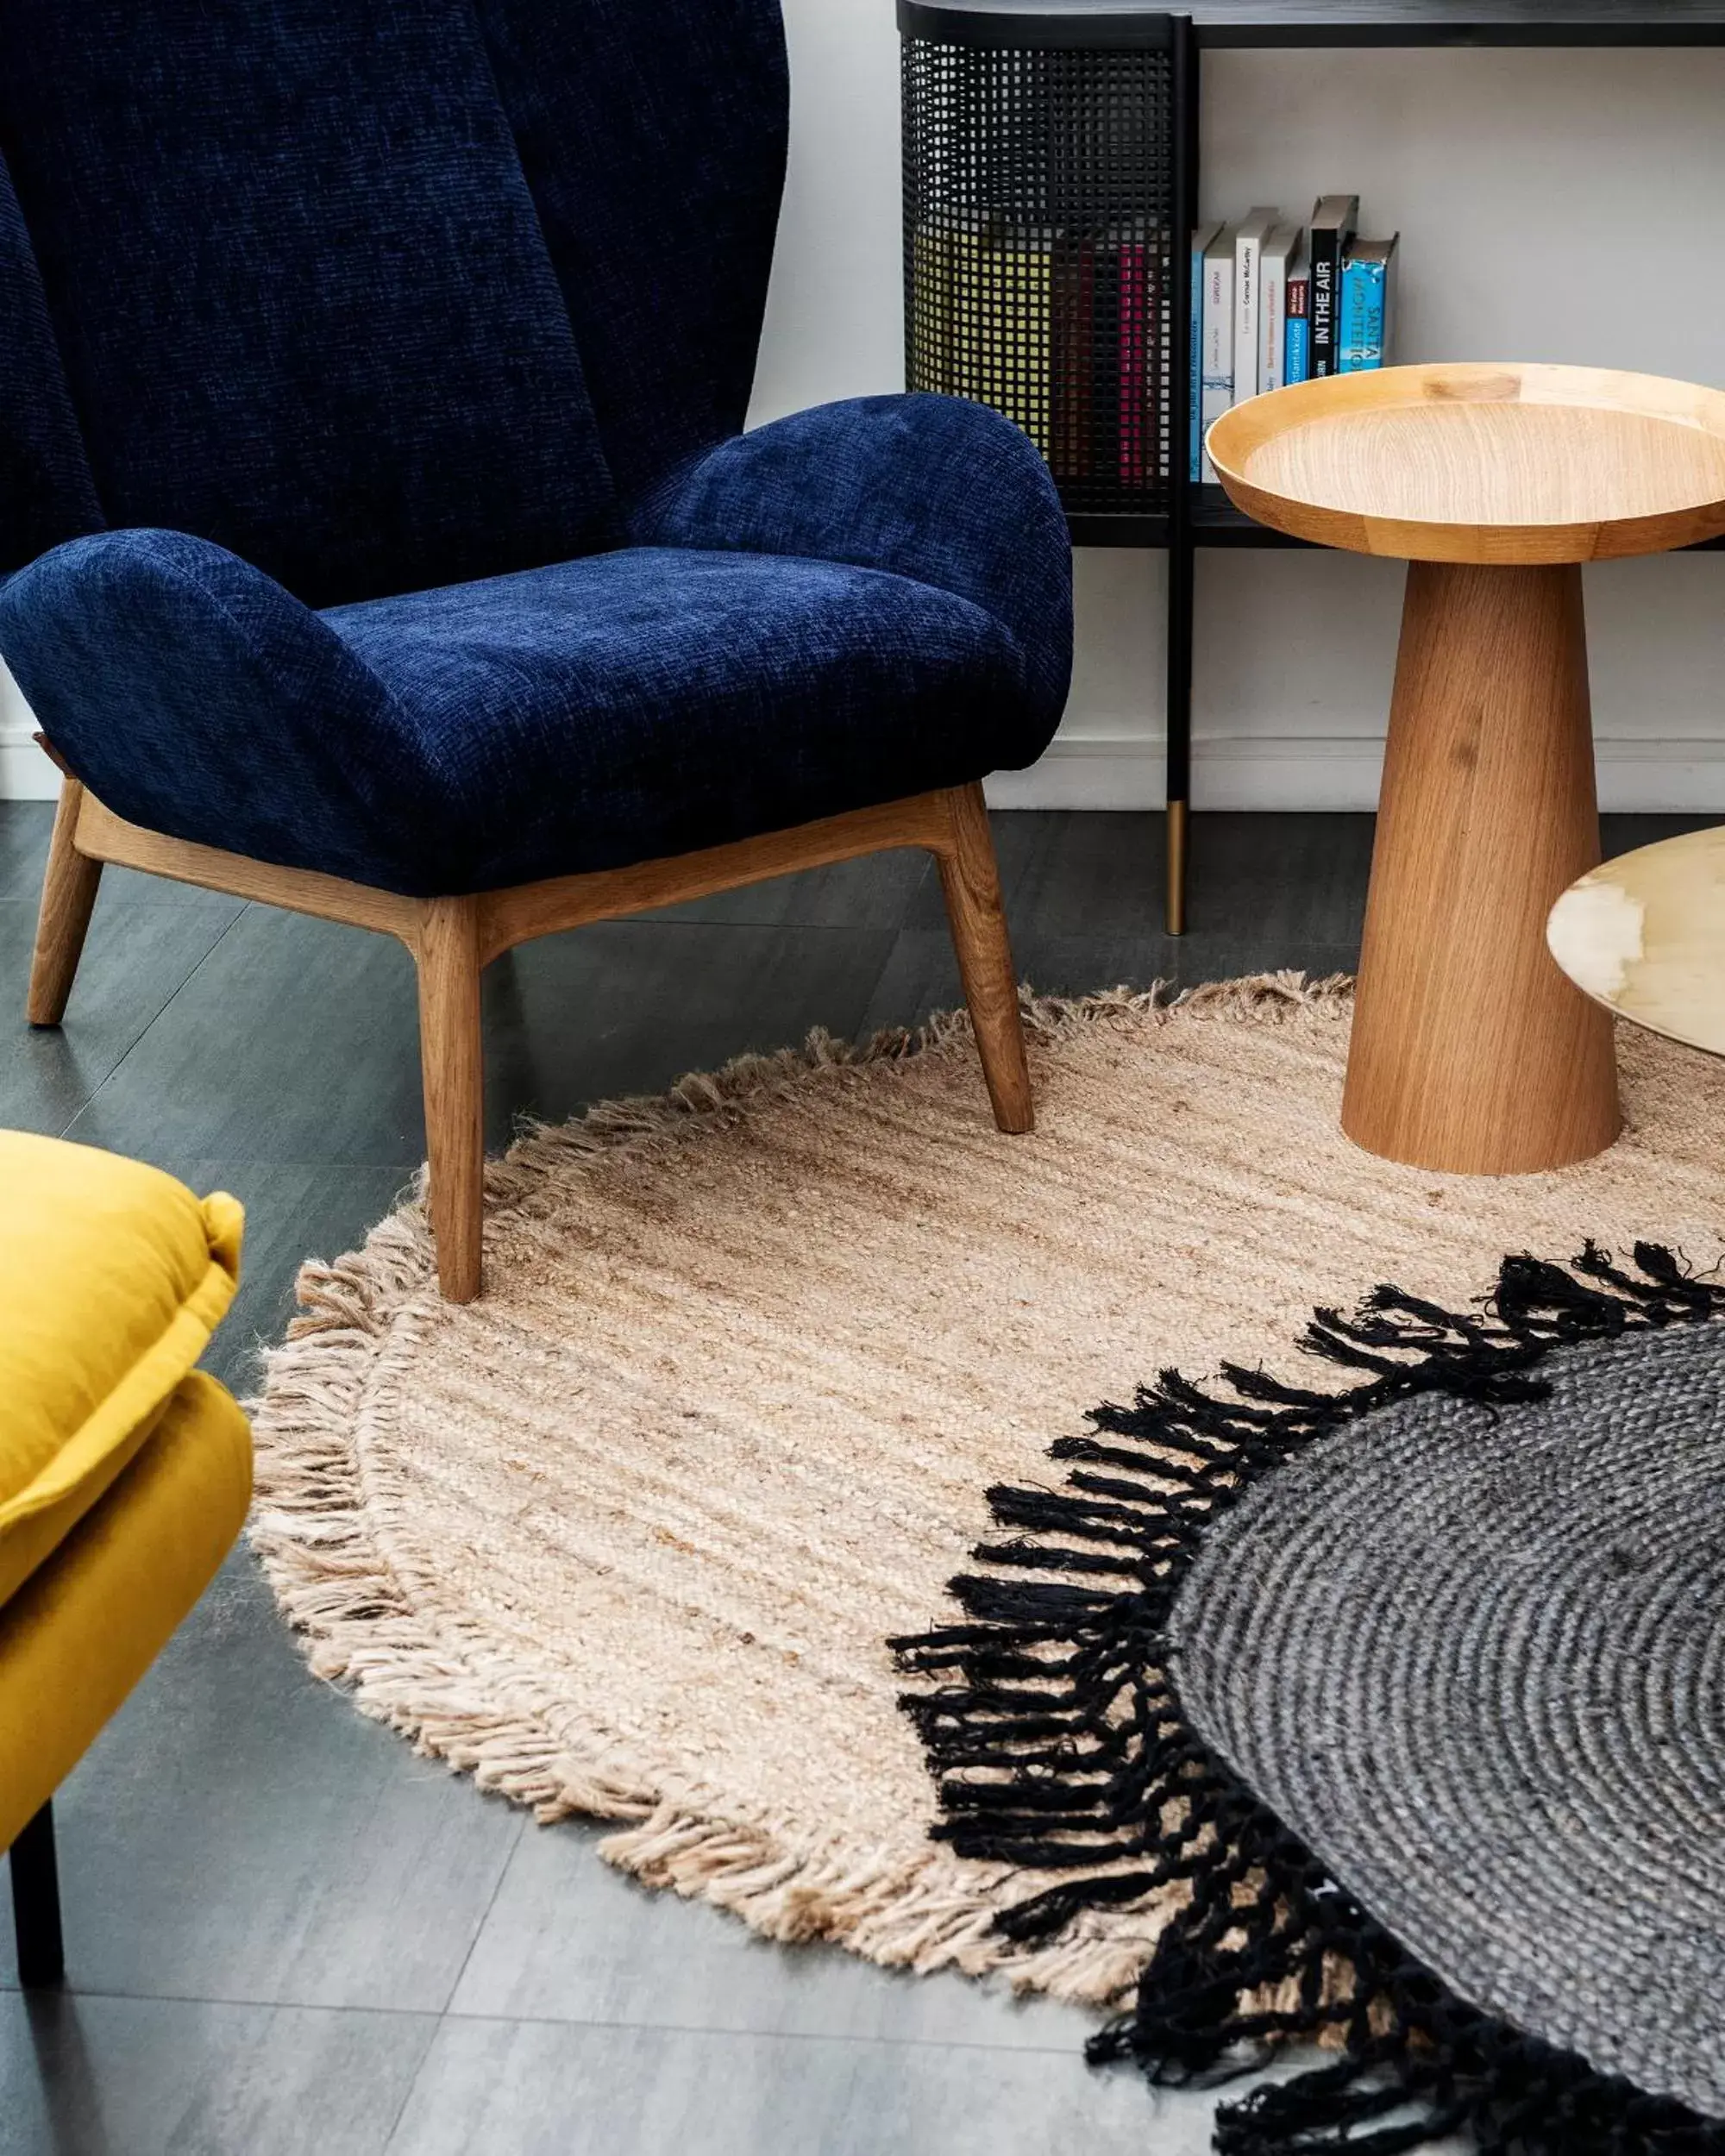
(1174,903)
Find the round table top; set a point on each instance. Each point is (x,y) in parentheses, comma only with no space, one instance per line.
(1645,936)
(1480,462)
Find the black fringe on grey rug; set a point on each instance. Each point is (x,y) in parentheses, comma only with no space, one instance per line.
(1059,1743)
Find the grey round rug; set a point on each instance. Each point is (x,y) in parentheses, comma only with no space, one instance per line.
(1474,1657)
(1411,1685)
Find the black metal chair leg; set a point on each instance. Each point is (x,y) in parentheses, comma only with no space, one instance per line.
(35,1903)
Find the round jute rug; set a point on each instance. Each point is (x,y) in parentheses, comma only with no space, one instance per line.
(629,1536)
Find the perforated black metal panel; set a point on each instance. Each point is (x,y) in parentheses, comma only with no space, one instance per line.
(1037,183)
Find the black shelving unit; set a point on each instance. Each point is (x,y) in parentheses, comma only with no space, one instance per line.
(1176,514)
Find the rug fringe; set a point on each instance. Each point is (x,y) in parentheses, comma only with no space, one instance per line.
(336,1586)
(1054,1732)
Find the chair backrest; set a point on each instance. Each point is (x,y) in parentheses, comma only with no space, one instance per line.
(379,294)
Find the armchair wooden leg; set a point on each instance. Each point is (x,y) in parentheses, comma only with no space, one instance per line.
(970,879)
(35,1903)
(68,895)
(452,1061)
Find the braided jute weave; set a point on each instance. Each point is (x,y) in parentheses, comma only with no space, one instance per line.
(1474,1657)
(629,1536)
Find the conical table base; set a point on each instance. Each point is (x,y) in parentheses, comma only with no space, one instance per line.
(1471,1052)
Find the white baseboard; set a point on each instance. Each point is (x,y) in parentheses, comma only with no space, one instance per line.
(1300,771)
(1124,771)
(26,774)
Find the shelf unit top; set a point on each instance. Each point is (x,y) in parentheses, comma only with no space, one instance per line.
(1221,23)
(1551,22)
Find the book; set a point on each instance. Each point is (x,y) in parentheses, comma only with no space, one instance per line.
(981,323)
(1366,317)
(1333,220)
(1133,389)
(1005,317)
(1279,249)
(1108,448)
(1296,360)
(1249,234)
(1218,370)
(1202,238)
(1072,451)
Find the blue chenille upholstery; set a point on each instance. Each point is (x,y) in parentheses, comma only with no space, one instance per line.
(379,367)
(298,280)
(661,230)
(47,493)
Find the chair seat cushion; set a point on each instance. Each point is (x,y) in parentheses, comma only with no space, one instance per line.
(655,700)
(112,1277)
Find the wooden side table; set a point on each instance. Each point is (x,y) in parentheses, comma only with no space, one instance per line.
(1471,1052)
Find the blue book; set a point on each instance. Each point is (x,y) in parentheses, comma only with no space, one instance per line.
(1296,335)
(1201,239)
(1366,317)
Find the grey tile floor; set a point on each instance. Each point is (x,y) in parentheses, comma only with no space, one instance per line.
(287,1935)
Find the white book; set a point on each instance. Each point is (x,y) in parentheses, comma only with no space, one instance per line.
(1218,372)
(1280,249)
(1250,236)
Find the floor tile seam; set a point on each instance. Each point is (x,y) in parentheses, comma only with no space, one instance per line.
(155,1019)
(502,1871)
(76,1994)
(455,2013)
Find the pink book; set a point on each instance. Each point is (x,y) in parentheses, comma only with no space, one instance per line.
(1134,348)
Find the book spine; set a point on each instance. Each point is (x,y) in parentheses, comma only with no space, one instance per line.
(1272,309)
(1248,261)
(1219,343)
(1107,413)
(1327,264)
(1296,362)
(1360,334)
(1134,351)
(1195,359)
(1299,355)
(1072,455)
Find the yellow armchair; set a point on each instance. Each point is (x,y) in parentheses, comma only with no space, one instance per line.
(125,1472)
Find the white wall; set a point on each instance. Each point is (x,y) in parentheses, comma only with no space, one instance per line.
(1563,206)
(26,774)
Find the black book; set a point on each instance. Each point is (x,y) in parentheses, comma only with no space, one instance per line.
(1334,222)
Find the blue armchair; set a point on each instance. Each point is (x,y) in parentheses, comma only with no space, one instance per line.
(377,534)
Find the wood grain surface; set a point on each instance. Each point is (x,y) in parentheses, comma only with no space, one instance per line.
(453,939)
(1481,463)
(1471,1052)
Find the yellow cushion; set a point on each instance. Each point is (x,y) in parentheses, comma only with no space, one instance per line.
(112,1278)
(77,1637)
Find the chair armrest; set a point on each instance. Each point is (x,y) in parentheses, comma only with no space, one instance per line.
(194,695)
(933,488)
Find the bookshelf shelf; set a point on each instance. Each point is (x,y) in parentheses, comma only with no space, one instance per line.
(1187,519)
(1222,23)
